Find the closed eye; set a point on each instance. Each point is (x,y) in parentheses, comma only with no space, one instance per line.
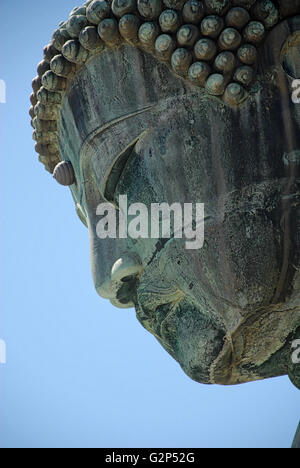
(116,172)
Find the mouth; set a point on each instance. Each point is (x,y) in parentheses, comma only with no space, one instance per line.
(161,315)
(186,329)
(157,322)
(154,306)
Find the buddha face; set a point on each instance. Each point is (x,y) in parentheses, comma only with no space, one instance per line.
(225,310)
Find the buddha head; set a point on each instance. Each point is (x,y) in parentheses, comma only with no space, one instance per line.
(151,103)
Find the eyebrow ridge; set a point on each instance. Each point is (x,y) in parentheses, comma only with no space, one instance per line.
(110,124)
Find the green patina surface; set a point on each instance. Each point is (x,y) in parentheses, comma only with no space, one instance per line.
(229,313)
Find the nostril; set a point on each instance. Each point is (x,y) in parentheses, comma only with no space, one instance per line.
(127,279)
(127,290)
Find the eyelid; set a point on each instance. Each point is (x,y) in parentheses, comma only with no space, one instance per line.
(116,171)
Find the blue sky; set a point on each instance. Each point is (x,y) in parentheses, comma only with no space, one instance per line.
(79,372)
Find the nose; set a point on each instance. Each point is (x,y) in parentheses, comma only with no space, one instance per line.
(121,287)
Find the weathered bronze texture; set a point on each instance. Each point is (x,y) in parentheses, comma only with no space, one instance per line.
(190,102)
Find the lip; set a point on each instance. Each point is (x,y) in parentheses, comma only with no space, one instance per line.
(156,304)
(160,315)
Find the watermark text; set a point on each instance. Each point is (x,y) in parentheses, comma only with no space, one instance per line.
(2,352)
(296,92)
(160,220)
(2,92)
(296,352)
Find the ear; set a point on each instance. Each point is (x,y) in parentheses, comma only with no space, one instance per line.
(281,51)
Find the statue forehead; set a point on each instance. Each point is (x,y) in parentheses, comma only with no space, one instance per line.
(131,81)
(99,118)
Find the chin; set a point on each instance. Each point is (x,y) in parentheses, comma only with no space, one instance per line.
(193,338)
(208,353)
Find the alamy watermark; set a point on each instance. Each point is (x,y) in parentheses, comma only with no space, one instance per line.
(2,352)
(296,92)
(2,92)
(296,352)
(161,221)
